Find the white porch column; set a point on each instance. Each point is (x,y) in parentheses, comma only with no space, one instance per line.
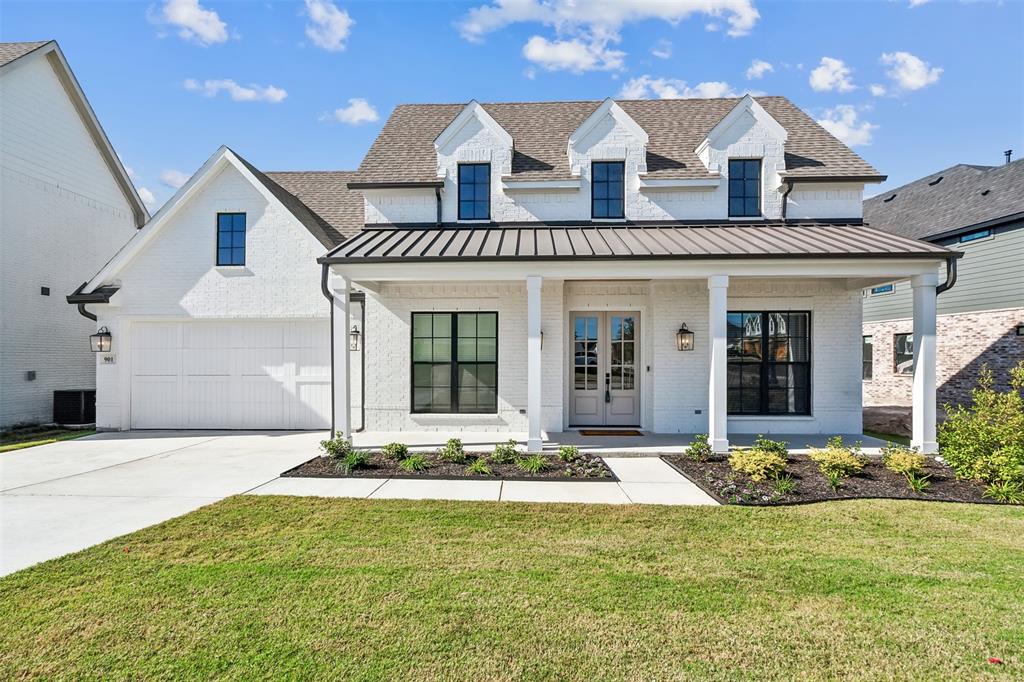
(718,287)
(533,368)
(341,370)
(923,436)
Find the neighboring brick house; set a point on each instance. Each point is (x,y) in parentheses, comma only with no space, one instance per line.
(675,266)
(978,210)
(66,205)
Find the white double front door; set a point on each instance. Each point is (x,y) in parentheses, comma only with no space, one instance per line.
(604,374)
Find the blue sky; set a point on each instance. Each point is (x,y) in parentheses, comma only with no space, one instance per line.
(915,85)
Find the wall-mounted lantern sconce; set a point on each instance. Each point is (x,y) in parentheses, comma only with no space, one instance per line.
(100,341)
(353,338)
(1020,330)
(684,338)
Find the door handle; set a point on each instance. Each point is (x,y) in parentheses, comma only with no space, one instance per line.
(607,387)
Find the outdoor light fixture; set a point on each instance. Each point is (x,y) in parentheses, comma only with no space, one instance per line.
(684,338)
(1020,330)
(100,341)
(353,338)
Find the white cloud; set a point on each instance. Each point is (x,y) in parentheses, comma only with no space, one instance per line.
(573,55)
(173,178)
(329,26)
(358,111)
(845,123)
(917,3)
(194,22)
(647,87)
(758,68)
(584,30)
(239,93)
(147,197)
(909,72)
(832,74)
(662,49)
(877,90)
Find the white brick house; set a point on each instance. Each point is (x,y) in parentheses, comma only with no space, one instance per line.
(673,266)
(66,205)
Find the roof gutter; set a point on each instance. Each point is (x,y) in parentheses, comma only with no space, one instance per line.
(100,295)
(950,275)
(785,197)
(360,298)
(428,184)
(437,194)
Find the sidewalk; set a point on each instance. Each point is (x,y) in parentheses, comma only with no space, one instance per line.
(642,480)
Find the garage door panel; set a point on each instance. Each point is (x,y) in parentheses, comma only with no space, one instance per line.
(312,362)
(153,335)
(259,335)
(155,362)
(156,403)
(206,361)
(262,362)
(208,401)
(266,403)
(305,335)
(314,401)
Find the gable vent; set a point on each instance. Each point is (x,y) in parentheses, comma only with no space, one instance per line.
(886,201)
(935,181)
(984,193)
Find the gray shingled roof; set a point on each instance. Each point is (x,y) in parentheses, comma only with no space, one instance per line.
(404,150)
(954,198)
(11,51)
(713,240)
(327,195)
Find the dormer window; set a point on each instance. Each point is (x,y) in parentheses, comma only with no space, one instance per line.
(607,189)
(474,191)
(744,188)
(230,239)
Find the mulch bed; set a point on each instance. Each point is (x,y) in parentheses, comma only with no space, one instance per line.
(586,468)
(716,478)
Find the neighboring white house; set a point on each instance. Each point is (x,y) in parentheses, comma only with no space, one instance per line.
(66,205)
(670,265)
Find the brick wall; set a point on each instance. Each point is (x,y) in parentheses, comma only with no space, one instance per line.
(965,342)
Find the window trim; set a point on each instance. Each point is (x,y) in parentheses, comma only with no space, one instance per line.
(458,191)
(454,361)
(216,240)
(764,364)
(760,188)
(622,163)
(870,363)
(895,364)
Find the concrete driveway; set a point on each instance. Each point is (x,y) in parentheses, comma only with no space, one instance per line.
(63,497)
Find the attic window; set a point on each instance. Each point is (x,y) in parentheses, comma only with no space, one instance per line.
(972,236)
(886,201)
(935,181)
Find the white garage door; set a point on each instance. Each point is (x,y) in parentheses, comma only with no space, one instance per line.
(231,375)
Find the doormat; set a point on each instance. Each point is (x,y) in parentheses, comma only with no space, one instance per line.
(604,432)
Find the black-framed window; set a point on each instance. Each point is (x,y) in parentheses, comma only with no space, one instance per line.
(903,353)
(769,363)
(474,191)
(973,236)
(455,362)
(744,188)
(608,189)
(230,239)
(867,357)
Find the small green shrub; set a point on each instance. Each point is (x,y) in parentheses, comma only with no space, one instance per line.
(699,449)
(353,459)
(902,460)
(1005,491)
(453,452)
(834,478)
(918,482)
(532,464)
(568,453)
(505,453)
(784,484)
(768,445)
(986,440)
(396,451)
(480,467)
(757,464)
(336,447)
(836,461)
(413,463)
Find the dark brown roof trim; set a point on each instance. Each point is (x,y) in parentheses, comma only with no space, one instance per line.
(396,185)
(329,260)
(100,295)
(603,224)
(995,222)
(834,178)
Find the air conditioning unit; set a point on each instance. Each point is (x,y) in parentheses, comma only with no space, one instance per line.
(74,407)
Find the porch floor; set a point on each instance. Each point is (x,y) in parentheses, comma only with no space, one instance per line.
(648,444)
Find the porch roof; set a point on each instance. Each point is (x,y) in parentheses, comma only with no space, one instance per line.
(681,241)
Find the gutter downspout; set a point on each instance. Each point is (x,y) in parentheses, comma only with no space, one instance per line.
(437,194)
(950,276)
(81,306)
(785,198)
(324,272)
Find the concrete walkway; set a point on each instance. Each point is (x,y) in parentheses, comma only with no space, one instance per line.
(642,480)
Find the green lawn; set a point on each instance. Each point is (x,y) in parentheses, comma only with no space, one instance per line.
(338,589)
(28,438)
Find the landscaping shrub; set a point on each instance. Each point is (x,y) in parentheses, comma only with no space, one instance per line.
(336,447)
(699,449)
(756,463)
(568,453)
(479,466)
(353,459)
(784,484)
(918,482)
(986,440)
(453,452)
(768,445)
(1005,491)
(396,451)
(413,463)
(836,461)
(532,464)
(902,460)
(505,453)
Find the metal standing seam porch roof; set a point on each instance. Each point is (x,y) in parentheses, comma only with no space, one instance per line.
(646,242)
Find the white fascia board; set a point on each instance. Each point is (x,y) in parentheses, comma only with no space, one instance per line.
(639,269)
(680,183)
(746,104)
(566,185)
(468,113)
(609,107)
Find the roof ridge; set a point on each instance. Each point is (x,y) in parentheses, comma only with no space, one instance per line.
(588,101)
